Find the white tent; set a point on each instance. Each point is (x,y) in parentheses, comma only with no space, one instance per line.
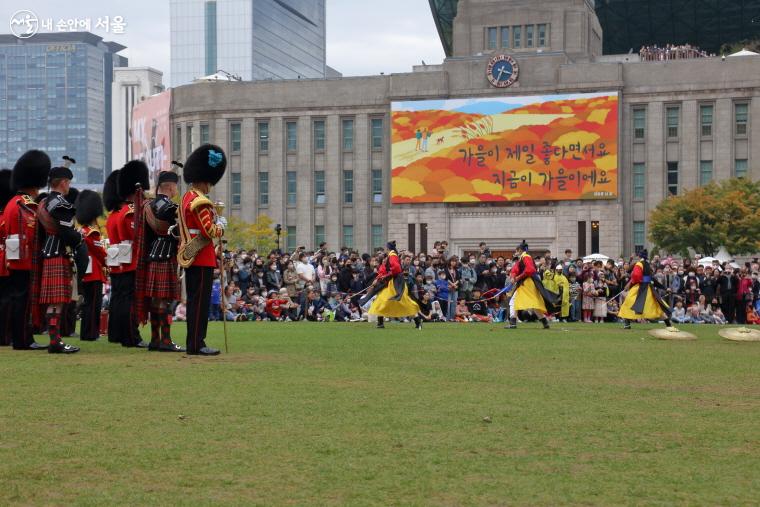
(596,257)
(707,261)
(723,255)
(744,52)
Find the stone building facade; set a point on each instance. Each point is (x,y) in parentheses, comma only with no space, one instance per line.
(315,156)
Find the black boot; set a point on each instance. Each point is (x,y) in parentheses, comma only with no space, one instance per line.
(668,323)
(418,323)
(512,324)
(627,324)
(545,322)
(380,323)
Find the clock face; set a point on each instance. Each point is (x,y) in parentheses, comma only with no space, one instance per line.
(502,71)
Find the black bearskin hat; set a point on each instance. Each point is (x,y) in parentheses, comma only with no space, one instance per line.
(72,195)
(31,170)
(111,199)
(205,165)
(133,173)
(89,207)
(6,192)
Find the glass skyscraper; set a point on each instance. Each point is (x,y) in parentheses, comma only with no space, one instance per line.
(253,39)
(55,95)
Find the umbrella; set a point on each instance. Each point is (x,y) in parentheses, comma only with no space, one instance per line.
(596,257)
(740,334)
(707,261)
(671,333)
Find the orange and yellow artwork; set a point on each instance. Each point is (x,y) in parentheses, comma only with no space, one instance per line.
(537,148)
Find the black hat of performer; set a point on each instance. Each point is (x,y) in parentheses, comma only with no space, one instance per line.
(111,199)
(644,254)
(205,165)
(523,246)
(168,177)
(133,173)
(89,207)
(72,195)
(6,192)
(31,170)
(391,246)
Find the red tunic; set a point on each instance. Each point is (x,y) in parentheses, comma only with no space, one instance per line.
(125,224)
(20,212)
(97,255)
(113,236)
(200,218)
(3,265)
(527,272)
(637,275)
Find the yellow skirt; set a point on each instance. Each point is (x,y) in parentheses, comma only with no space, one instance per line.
(527,297)
(652,309)
(384,307)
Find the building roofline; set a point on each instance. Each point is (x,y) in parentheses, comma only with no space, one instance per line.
(46,38)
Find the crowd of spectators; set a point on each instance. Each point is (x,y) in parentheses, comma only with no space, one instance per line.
(323,286)
(671,52)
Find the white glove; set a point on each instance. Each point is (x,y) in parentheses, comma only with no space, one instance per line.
(221,222)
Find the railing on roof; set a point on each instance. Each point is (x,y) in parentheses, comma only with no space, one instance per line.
(671,52)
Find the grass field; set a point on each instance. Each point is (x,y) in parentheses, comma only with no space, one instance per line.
(343,414)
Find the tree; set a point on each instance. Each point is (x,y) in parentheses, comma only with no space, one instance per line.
(259,234)
(708,217)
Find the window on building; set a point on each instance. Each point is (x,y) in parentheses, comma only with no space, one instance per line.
(705,172)
(595,237)
(378,239)
(673,118)
(516,37)
(204,133)
(639,236)
(423,237)
(348,187)
(348,236)
(319,135)
(541,36)
(672,178)
(411,234)
(291,183)
(235,188)
(377,186)
(582,238)
(235,137)
(290,238)
(319,187)
(263,189)
(529,36)
(377,133)
(263,136)
(348,135)
(740,116)
(319,235)
(178,143)
(639,123)
(740,168)
(188,140)
(706,120)
(639,180)
(504,37)
(291,136)
(491,37)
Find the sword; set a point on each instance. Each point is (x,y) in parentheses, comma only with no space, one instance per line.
(219,206)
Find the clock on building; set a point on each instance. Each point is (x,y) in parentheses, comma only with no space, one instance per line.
(502,71)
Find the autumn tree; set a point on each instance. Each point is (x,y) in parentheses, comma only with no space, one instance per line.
(708,217)
(259,234)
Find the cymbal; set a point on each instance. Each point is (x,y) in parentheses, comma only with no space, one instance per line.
(740,334)
(671,333)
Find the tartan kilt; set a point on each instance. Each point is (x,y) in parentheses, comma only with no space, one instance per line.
(161,280)
(55,287)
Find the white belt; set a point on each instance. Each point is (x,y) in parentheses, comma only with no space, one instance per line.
(194,231)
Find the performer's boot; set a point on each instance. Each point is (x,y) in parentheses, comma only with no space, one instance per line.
(512,323)
(668,323)
(545,322)
(380,323)
(56,344)
(155,330)
(418,323)
(627,324)
(167,345)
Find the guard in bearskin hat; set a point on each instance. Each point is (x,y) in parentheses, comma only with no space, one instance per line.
(529,294)
(6,194)
(113,204)
(157,284)
(132,182)
(199,227)
(30,173)
(642,301)
(89,206)
(57,247)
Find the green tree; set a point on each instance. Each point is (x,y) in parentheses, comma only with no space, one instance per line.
(706,218)
(259,234)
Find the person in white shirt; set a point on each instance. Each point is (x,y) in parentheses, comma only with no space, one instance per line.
(305,272)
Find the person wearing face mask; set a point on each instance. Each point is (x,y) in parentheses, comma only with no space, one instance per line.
(273,277)
(469,277)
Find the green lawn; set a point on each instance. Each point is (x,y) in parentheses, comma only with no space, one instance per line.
(344,414)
